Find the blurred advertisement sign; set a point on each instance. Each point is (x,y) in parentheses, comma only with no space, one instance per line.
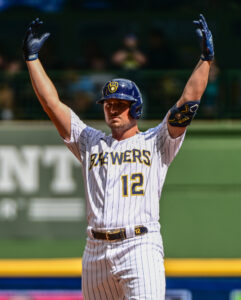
(178,295)
(44,5)
(235,295)
(41,185)
(41,295)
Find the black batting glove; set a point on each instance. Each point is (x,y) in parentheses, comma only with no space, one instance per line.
(32,43)
(205,38)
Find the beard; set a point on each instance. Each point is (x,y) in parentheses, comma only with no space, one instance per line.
(118,124)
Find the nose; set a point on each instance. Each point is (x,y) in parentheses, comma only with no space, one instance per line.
(113,108)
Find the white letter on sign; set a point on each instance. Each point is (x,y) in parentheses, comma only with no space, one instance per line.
(19,168)
(63,160)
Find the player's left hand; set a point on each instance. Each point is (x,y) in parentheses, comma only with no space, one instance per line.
(32,43)
(206,39)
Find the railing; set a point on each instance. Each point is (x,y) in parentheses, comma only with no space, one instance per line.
(160,90)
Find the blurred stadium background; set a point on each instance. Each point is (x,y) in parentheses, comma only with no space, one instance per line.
(42,209)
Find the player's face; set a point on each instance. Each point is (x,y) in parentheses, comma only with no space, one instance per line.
(117,113)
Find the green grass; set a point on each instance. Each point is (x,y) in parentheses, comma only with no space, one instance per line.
(31,248)
(201,222)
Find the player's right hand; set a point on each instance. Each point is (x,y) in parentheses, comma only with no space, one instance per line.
(32,43)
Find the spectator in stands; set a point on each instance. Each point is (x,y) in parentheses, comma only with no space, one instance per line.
(87,86)
(9,63)
(211,94)
(3,62)
(93,57)
(14,66)
(160,54)
(129,57)
(6,102)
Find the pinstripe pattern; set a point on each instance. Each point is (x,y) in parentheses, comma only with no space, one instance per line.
(123,184)
(132,269)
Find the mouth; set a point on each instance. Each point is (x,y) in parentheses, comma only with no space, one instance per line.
(114,118)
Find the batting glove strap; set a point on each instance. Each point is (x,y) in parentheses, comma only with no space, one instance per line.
(31,57)
(205,38)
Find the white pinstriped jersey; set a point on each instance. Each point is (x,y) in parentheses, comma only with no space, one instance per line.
(123,179)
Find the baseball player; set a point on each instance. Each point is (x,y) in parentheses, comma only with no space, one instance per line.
(123,172)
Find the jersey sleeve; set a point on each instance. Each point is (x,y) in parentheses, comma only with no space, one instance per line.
(167,146)
(80,138)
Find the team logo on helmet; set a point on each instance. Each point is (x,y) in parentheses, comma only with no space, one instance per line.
(113,86)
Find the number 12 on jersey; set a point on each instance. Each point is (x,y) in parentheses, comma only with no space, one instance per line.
(134,183)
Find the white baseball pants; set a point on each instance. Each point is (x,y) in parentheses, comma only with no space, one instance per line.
(131,269)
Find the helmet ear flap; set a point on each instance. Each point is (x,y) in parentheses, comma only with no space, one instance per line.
(136,110)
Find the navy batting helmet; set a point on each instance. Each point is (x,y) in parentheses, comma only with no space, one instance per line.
(123,89)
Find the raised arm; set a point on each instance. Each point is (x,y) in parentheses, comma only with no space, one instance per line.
(182,113)
(44,89)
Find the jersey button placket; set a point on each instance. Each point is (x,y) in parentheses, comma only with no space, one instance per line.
(107,186)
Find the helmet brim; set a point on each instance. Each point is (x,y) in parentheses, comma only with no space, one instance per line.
(117,96)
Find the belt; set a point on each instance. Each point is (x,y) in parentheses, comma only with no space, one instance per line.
(117,234)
